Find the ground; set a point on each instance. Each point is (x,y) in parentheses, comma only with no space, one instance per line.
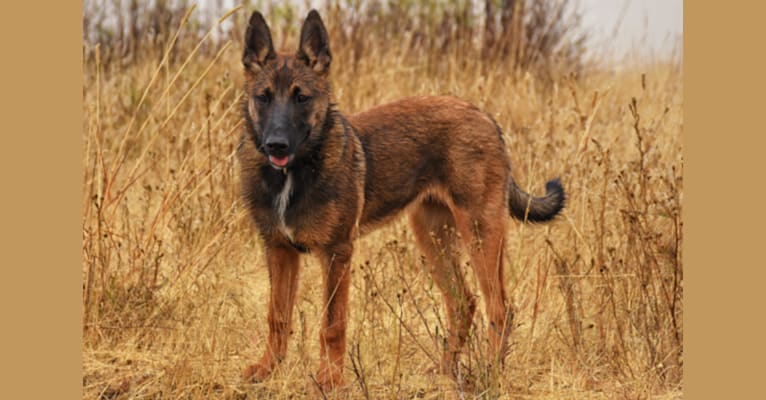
(175,287)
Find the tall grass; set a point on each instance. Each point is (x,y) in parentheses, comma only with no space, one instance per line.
(174,287)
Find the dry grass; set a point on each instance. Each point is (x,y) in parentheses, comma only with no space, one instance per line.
(174,287)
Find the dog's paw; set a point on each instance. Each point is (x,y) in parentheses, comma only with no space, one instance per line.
(256,373)
(329,379)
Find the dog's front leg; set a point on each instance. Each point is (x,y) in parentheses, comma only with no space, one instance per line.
(283,263)
(335,264)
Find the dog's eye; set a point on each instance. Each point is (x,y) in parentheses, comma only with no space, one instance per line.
(302,98)
(264,97)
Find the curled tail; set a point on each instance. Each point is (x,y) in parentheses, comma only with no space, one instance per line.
(525,207)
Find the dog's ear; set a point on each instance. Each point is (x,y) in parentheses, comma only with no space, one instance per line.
(258,46)
(314,49)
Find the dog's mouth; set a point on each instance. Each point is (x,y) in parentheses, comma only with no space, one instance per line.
(280,162)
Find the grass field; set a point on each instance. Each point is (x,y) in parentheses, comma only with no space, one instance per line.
(175,288)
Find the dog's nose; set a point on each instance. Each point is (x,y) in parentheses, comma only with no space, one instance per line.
(276,143)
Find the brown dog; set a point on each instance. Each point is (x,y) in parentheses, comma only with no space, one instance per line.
(314,180)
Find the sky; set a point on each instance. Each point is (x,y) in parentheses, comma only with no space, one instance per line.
(642,28)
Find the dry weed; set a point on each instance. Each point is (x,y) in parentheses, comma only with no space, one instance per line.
(174,287)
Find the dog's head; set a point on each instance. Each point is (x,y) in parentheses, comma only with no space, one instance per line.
(287,95)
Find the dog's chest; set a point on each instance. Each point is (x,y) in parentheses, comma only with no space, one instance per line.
(281,202)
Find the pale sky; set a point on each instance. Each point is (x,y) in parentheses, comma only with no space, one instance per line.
(644,28)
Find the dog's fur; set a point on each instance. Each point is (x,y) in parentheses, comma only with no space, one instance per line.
(314,180)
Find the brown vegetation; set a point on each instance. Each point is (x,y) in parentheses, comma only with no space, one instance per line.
(174,284)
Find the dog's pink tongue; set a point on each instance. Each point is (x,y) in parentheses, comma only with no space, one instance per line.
(279,161)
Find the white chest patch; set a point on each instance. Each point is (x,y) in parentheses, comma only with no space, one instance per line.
(280,205)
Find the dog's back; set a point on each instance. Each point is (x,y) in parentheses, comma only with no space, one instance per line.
(428,146)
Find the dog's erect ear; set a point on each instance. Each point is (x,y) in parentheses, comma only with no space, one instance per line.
(258,46)
(314,49)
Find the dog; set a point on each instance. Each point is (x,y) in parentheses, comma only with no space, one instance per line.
(313,180)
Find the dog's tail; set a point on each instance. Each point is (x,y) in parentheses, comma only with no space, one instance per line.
(527,208)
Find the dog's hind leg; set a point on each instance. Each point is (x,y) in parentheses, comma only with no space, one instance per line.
(437,238)
(484,233)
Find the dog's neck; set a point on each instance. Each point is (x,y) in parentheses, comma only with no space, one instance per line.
(330,146)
